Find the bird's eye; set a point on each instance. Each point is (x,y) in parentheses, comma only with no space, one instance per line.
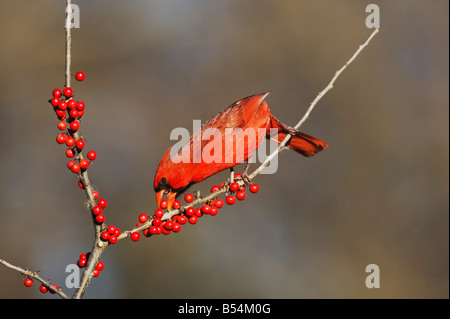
(163,180)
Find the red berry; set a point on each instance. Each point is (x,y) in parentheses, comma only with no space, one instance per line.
(60,114)
(214,188)
(95,194)
(84,163)
(156,221)
(176,204)
(218,203)
(168,225)
(193,219)
(254,188)
(81,263)
(71,104)
(159,213)
(80,76)
(75,168)
(62,126)
(80,184)
(100,219)
(112,229)
(62,105)
(176,227)
(28,282)
(146,232)
(70,153)
(92,155)
(54,286)
(190,211)
(70,141)
(81,106)
(241,195)
(54,101)
(43,289)
(100,266)
(80,113)
(96,210)
(67,92)
(214,211)
(165,231)
(163,204)
(143,218)
(96,272)
(102,203)
(70,164)
(234,187)
(182,220)
(105,235)
(189,198)
(198,212)
(153,230)
(112,239)
(61,138)
(74,113)
(80,144)
(135,236)
(230,199)
(74,125)
(206,209)
(56,92)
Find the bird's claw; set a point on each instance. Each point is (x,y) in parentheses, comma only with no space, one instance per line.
(197,195)
(246,179)
(292,131)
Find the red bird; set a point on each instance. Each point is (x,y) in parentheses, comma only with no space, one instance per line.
(225,141)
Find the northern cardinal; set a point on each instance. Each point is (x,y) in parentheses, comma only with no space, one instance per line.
(176,173)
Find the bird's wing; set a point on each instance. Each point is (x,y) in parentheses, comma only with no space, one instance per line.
(236,115)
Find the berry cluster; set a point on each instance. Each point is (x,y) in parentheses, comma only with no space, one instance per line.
(190,214)
(110,234)
(69,113)
(82,261)
(28,282)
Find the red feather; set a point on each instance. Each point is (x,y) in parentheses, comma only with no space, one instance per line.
(250,112)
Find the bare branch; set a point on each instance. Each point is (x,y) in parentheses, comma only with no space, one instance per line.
(68,41)
(311,107)
(35,275)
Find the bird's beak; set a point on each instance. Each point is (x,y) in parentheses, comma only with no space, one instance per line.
(159,196)
(170,198)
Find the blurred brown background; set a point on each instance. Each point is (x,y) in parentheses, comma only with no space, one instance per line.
(378,195)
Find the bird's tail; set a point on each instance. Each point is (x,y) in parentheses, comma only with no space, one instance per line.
(299,142)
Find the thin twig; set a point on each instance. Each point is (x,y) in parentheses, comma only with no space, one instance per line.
(68,42)
(35,275)
(99,245)
(311,107)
